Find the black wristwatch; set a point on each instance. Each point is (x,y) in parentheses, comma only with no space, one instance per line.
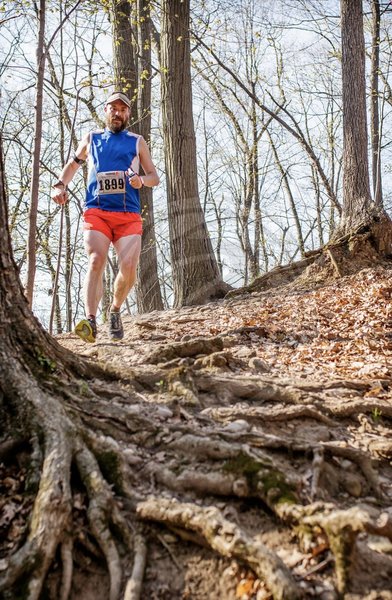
(59,183)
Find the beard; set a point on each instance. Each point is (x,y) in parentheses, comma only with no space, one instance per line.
(116,124)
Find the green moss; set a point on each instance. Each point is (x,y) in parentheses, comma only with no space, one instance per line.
(276,488)
(47,363)
(289,498)
(243,464)
(263,480)
(84,389)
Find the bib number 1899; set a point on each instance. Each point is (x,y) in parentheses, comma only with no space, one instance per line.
(111,182)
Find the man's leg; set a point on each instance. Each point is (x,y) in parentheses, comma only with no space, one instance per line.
(128,254)
(96,245)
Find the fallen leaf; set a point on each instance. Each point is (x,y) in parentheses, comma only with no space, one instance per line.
(244,587)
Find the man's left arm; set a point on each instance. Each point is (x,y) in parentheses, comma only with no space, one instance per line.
(150,177)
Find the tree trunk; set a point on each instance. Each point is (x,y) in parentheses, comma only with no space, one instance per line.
(356,188)
(133,76)
(358,209)
(148,291)
(125,63)
(196,276)
(374,107)
(35,167)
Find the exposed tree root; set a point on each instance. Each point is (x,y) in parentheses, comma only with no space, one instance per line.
(99,511)
(227,539)
(383,525)
(50,519)
(342,528)
(305,396)
(67,562)
(346,254)
(361,459)
(133,590)
(275,413)
(166,352)
(277,277)
(52,505)
(266,451)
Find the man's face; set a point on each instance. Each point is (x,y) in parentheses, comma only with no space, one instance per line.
(117,116)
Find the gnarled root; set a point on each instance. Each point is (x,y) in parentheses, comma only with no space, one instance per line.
(67,560)
(50,516)
(341,528)
(100,504)
(227,539)
(134,585)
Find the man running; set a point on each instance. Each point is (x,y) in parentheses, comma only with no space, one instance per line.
(112,209)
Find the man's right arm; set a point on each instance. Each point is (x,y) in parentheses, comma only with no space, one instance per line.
(59,189)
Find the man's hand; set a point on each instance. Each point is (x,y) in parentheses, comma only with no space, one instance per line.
(59,193)
(135,180)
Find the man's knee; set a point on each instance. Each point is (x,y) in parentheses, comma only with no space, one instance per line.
(97,261)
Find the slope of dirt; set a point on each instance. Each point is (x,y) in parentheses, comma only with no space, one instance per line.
(296,384)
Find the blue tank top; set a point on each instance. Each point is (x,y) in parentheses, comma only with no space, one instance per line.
(111,155)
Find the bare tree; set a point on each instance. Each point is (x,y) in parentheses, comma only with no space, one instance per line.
(374,104)
(124,39)
(358,209)
(31,245)
(131,28)
(40,11)
(356,188)
(196,275)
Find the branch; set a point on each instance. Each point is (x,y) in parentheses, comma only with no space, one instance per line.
(309,150)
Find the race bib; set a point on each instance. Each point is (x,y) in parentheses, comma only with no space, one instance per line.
(111,182)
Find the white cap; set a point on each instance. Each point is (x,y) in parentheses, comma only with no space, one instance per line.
(118,96)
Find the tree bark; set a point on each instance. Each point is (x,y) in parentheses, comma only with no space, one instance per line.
(359,214)
(148,291)
(374,107)
(133,76)
(356,187)
(125,62)
(196,276)
(34,189)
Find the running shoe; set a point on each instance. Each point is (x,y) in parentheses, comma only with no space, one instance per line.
(86,329)
(116,330)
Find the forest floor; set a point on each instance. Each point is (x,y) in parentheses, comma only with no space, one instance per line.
(329,352)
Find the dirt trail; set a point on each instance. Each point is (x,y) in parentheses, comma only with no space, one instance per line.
(257,436)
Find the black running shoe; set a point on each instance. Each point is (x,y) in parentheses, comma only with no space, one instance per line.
(86,329)
(116,330)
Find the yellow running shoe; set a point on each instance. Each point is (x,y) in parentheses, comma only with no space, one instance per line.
(86,329)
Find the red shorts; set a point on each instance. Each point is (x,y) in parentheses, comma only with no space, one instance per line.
(114,225)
